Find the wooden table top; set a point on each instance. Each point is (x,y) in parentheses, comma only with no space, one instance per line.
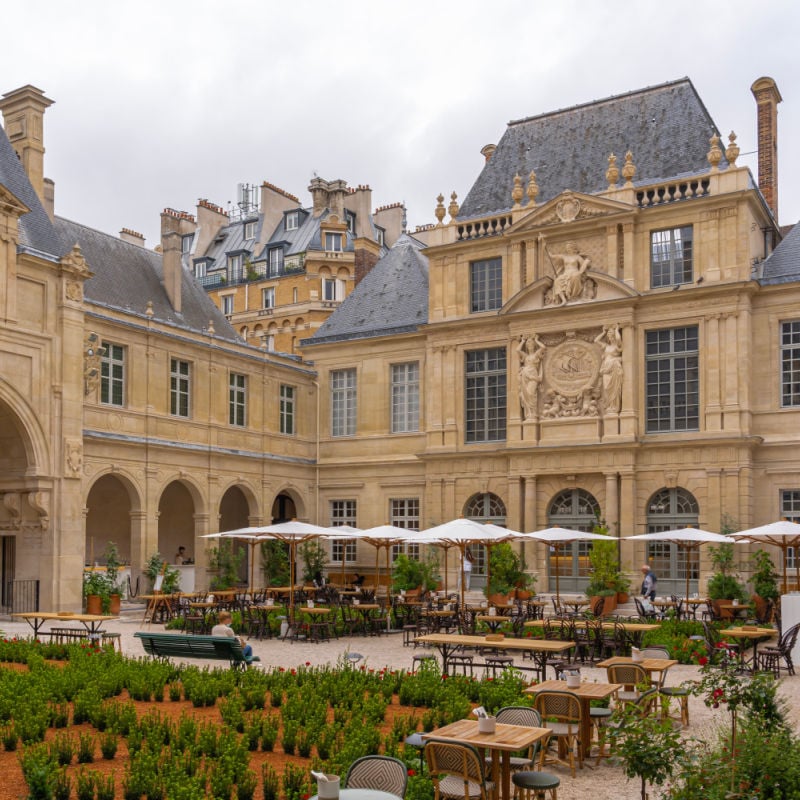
(505,737)
(586,691)
(507,643)
(44,615)
(647,664)
(366,606)
(314,610)
(735,606)
(629,627)
(438,612)
(748,632)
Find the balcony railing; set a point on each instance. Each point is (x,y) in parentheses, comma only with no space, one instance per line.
(19,596)
(220,278)
(673,192)
(478,228)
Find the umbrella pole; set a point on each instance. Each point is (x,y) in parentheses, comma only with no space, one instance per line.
(688,550)
(558,582)
(461,550)
(445,570)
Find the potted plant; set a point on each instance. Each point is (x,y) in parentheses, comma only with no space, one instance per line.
(606,579)
(113,564)
(315,558)
(506,574)
(724,585)
(411,573)
(764,581)
(225,561)
(97,591)
(157,566)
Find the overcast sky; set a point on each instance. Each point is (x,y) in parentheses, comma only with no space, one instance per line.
(161,103)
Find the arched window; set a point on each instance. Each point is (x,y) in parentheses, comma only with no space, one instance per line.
(486,507)
(579,510)
(669,509)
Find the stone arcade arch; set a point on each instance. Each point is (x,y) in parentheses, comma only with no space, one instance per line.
(235,512)
(110,504)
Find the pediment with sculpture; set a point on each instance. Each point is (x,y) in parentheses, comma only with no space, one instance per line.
(572,374)
(568,207)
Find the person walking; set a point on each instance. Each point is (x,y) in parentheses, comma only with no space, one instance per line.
(649,583)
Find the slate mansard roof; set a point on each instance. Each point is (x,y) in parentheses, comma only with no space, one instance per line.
(392,298)
(36,229)
(783,264)
(126,276)
(665,127)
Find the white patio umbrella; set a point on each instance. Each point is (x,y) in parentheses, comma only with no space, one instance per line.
(464,532)
(783,534)
(686,539)
(561,537)
(385,536)
(348,533)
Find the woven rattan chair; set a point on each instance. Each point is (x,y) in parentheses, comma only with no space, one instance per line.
(520,715)
(379,773)
(562,713)
(633,676)
(456,771)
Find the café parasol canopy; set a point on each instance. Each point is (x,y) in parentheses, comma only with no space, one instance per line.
(686,539)
(783,534)
(463,532)
(344,533)
(384,536)
(561,537)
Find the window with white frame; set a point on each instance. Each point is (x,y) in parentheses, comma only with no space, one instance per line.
(486,284)
(667,510)
(671,257)
(333,289)
(287,410)
(112,375)
(180,387)
(291,220)
(790,510)
(404,513)
(790,364)
(485,395)
(200,268)
(673,381)
(237,399)
(186,243)
(343,512)
(405,397)
(227,304)
(350,218)
(269,342)
(333,242)
(268,297)
(380,236)
(343,402)
(275,260)
(250,229)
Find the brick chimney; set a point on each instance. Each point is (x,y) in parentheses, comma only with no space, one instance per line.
(23,119)
(174,224)
(132,237)
(767,98)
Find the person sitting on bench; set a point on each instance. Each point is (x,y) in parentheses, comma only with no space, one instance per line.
(223,628)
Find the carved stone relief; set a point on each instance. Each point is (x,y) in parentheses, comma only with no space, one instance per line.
(570,281)
(571,375)
(73,458)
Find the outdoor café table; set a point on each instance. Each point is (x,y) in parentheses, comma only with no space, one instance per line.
(362,794)
(635,629)
(506,739)
(649,665)
(92,622)
(448,643)
(736,610)
(154,602)
(365,611)
(692,604)
(575,603)
(585,693)
(753,634)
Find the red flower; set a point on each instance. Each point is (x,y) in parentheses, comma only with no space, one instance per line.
(308,663)
(411,773)
(702,661)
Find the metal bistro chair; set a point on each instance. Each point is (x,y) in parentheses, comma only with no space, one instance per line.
(520,715)
(770,657)
(563,714)
(456,771)
(379,773)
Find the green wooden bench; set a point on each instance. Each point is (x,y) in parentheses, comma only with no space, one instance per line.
(181,645)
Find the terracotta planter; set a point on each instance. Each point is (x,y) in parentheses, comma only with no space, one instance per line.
(94,604)
(499,599)
(115,604)
(622,597)
(609,603)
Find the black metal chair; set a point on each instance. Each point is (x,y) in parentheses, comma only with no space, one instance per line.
(378,773)
(770,657)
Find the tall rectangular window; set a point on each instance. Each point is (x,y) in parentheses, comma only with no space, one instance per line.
(405,397)
(404,513)
(180,387)
(235,269)
(291,220)
(485,395)
(268,297)
(343,512)
(672,367)
(250,229)
(227,304)
(486,284)
(790,510)
(790,364)
(343,402)
(287,410)
(112,375)
(671,257)
(275,260)
(237,399)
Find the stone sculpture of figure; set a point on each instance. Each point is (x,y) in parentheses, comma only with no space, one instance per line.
(611,367)
(531,352)
(570,269)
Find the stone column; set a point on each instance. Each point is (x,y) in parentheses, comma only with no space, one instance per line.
(612,504)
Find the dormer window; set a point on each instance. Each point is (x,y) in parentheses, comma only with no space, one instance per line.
(250,229)
(380,236)
(234,268)
(200,268)
(333,242)
(186,243)
(350,217)
(292,221)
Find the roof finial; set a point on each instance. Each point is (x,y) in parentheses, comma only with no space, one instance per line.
(440,212)
(516,192)
(533,189)
(628,170)
(452,209)
(612,173)
(732,150)
(714,155)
